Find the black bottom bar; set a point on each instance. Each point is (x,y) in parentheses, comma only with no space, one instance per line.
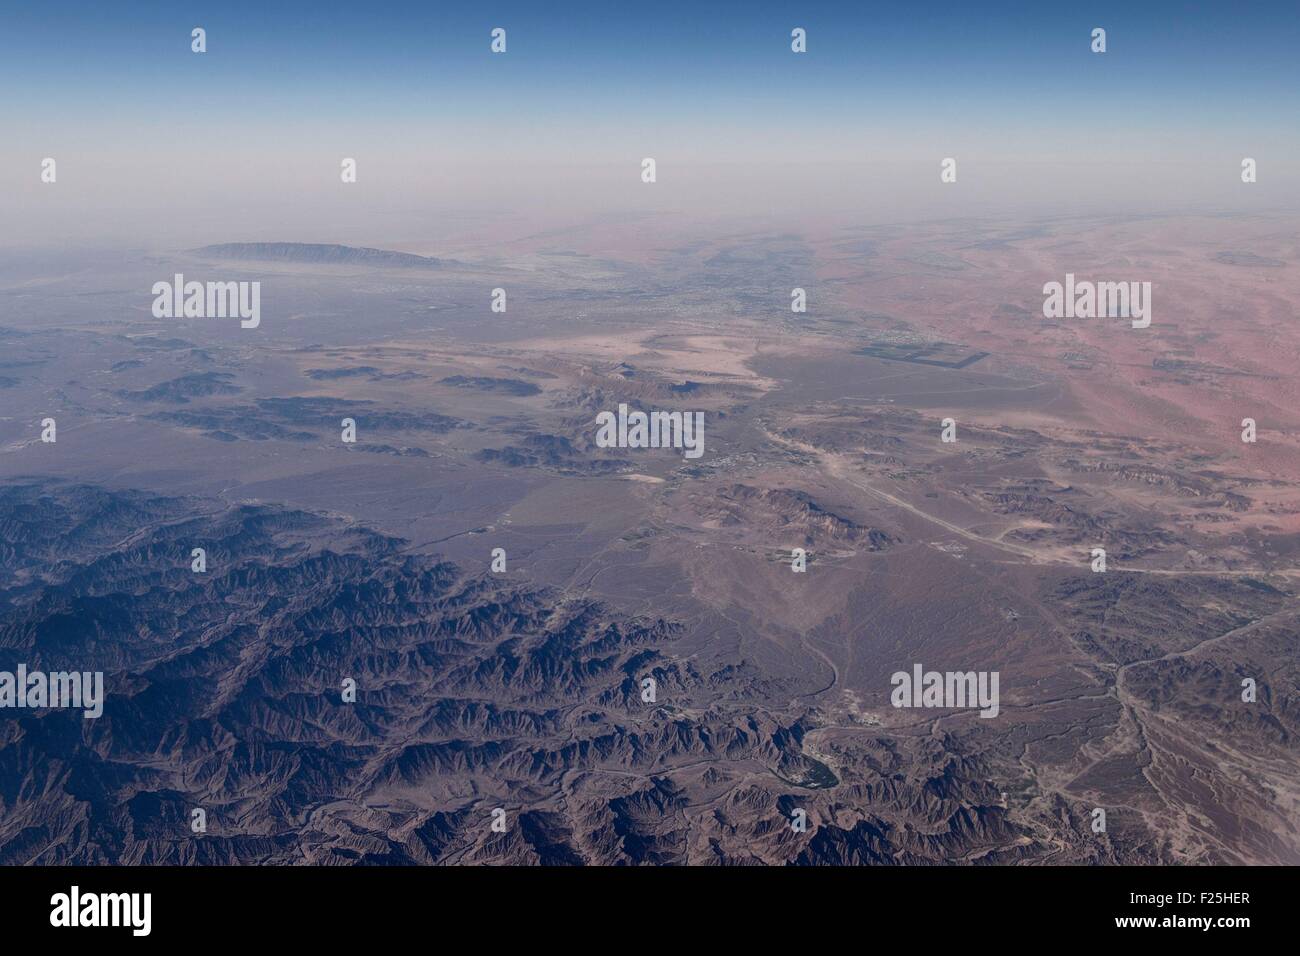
(637,907)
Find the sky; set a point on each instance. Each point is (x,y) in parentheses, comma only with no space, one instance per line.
(153,140)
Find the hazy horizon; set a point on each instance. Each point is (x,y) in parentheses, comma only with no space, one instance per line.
(157,144)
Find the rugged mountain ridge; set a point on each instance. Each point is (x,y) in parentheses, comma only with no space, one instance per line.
(224,693)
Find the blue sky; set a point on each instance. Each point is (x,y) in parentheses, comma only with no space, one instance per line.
(1002,64)
(144,128)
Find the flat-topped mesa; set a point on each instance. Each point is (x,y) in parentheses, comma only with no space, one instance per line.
(313,253)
